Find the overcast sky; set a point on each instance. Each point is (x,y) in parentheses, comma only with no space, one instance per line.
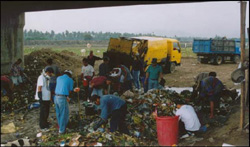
(205,19)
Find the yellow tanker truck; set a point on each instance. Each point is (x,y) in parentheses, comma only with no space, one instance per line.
(166,50)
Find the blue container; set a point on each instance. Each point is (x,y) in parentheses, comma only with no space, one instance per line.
(34,105)
(203,128)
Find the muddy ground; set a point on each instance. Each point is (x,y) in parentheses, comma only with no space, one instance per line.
(182,77)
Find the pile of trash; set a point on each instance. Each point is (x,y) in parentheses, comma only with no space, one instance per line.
(21,98)
(35,62)
(140,121)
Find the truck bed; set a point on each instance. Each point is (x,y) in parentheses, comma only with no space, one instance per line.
(216,46)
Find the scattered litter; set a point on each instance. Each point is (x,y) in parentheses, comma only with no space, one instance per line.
(19,142)
(98,144)
(211,140)
(225,144)
(39,135)
(128,93)
(9,128)
(247,131)
(62,143)
(34,105)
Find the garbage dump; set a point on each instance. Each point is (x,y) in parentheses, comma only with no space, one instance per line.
(35,62)
(139,120)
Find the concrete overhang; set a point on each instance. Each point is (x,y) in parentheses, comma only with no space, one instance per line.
(8,7)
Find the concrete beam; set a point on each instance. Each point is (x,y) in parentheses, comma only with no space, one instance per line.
(11,40)
(28,6)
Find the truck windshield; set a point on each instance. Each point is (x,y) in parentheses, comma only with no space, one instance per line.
(176,46)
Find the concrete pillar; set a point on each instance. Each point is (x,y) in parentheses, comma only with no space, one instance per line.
(11,40)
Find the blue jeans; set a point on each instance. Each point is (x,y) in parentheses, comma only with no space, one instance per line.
(62,112)
(97,92)
(117,122)
(145,86)
(152,84)
(52,86)
(136,75)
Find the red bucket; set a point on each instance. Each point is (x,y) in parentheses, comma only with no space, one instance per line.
(167,130)
(85,82)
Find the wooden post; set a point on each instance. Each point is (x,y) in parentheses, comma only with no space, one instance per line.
(247,77)
(242,38)
(247,86)
(78,98)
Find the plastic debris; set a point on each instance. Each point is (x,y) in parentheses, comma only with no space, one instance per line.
(39,135)
(225,144)
(9,128)
(211,140)
(128,93)
(34,105)
(62,143)
(19,142)
(98,144)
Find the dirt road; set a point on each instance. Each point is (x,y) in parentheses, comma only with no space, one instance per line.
(190,67)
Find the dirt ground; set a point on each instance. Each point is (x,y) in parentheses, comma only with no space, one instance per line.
(182,77)
(190,67)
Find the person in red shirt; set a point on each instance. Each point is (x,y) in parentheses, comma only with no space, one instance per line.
(98,84)
(7,86)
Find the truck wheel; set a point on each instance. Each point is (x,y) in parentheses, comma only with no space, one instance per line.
(169,67)
(236,59)
(204,61)
(172,67)
(165,68)
(218,60)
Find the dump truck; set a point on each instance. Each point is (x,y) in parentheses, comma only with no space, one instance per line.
(166,50)
(217,51)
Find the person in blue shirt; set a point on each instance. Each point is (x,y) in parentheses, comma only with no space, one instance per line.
(153,73)
(64,86)
(114,106)
(126,78)
(211,88)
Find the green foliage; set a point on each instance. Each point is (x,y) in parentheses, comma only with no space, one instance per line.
(87,35)
(74,49)
(188,52)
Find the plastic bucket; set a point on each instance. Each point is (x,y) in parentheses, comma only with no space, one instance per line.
(167,130)
(85,82)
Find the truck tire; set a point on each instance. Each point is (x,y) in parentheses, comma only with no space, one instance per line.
(236,59)
(218,60)
(172,67)
(168,67)
(165,68)
(203,60)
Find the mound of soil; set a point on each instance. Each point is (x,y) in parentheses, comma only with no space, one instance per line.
(35,62)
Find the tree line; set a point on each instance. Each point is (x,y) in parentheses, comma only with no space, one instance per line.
(87,35)
(94,36)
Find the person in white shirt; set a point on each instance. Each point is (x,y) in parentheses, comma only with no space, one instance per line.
(87,75)
(43,94)
(189,123)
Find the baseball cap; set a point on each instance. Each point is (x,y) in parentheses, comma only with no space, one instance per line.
(49,69)
(69,71)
